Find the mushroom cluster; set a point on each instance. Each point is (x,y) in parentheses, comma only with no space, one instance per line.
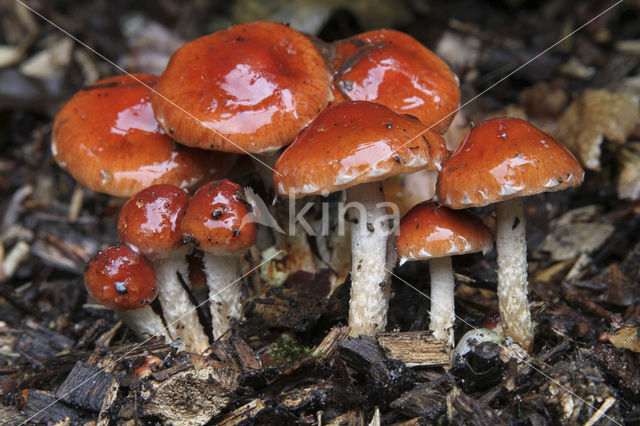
(157,228)
(353,113)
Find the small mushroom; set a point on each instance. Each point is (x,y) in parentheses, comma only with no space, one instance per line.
(354,146)
(151,221)
(123,280)
(500,161)
(108,139)
(434,232)
(219,221)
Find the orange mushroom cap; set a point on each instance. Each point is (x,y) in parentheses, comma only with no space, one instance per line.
(394,69)
(251,88)
(121,279)
(219,219)
(151,220)
(108,139)
(505,158)
(430,230)
(352,143)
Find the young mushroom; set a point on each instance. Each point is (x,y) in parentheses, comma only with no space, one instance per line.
(122,279)
(219,221)
(434,232)
(354,146)
(500,161)
(151,221)
(108,139)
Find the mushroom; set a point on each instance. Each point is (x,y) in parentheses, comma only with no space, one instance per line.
(219,221)
(151,221)
(434,232)
(395,70)
(354,146)
(108,139)
(500,161)
(123,280)
(247,89)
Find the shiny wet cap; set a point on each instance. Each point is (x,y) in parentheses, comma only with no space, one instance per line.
(151,220)
(505,158)
(108,139)
(394,69)
(247,89)
(430,230)
(219,219)
(352,143)
(121,278)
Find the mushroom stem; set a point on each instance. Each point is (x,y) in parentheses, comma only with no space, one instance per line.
(144,322)
(511,248)
(371,259)
(178,310)
(442,301)
(223,279)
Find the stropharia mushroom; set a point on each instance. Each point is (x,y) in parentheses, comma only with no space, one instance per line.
(394,69)
(500,161)
(219,221)
(108,139)
(123,280)
(434,232)
(247,89)
(151,221)
(354,146)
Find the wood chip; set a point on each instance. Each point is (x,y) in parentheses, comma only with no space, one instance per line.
(242,414)
(415,348)
(329,344)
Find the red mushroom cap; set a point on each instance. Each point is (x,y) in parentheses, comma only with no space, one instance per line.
(151,220)
(252,88)
(430,230)
(108,139)
(505,158)
(121,279)
(352,143)
(219,219)
(394,69)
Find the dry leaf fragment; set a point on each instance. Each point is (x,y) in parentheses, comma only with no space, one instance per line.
(629,171)
(626,338)
(568,241)
(596,115)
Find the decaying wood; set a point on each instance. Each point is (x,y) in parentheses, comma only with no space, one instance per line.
(242,414)
(308,397)
(425,400)
(329,344)
(415,348)
(364,355)
(89,387)
(466,409)
(190,396)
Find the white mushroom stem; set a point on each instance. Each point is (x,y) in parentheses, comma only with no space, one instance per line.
(371,259)
(179,311)
(224,281)
(144,322)
(442,314)
(511,246)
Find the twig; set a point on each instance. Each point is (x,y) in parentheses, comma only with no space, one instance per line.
(601,411)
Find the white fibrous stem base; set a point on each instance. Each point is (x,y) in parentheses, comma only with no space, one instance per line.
(371,259)
(511,246)
(179,311)
(224,281)
(442,314)
(144,323)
